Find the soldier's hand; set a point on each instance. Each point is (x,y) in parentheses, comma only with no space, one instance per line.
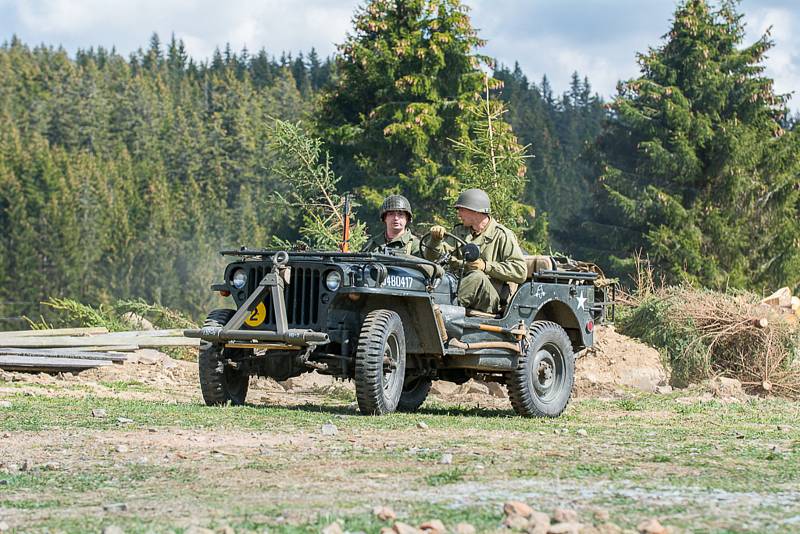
(477,265)
(437,232)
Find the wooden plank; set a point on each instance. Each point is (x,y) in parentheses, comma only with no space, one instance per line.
(63,353)
(56,332)
(101,340)
(31,363)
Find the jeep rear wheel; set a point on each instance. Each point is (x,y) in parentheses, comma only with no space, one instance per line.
(541,385)
(415,391)
(220,383)
(380,363)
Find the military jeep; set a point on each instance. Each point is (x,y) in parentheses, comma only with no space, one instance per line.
(392,324)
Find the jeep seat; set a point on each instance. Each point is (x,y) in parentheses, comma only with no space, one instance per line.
(534,264)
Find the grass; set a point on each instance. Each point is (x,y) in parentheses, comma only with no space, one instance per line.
(641,456)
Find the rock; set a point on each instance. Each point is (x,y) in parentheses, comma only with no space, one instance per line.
(601,514)
(113,529)
(115,507)
(609,528)
(225,530)
(582,432)
(194,529)
(443,388)
(516,522)
(518,508)
(446,459)
(27,465)
(434,526)
(726,387)
(148,356)
(464,528)
(422,425)
(333,528)
(652,526)
(328,429)
(98,412)
(539,520)
(566,527)
(497,390)
(307,381)
(663,390)
(473,387)
(404,528)
(5,404)
(121,448)
(137,322)
(565,515)
(124,420)
(384,513)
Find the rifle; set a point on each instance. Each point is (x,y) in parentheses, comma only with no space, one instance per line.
(345,245)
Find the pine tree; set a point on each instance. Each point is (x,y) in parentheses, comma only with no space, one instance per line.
(695,168)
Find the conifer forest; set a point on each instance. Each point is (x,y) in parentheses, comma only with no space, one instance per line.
(123,177)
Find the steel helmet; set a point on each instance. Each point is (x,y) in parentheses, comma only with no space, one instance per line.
(396,203)
(475,200)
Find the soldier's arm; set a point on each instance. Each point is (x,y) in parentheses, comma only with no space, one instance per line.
(435,250)
(512,267)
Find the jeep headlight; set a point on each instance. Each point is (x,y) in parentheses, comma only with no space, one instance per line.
(333,280)
(239,278)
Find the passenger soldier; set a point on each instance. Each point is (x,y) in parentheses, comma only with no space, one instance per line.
(500,259)
(396,216)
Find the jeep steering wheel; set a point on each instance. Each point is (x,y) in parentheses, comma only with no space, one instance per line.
(444,258)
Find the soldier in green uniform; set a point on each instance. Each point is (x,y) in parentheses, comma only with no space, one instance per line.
(500,260)
(396,216)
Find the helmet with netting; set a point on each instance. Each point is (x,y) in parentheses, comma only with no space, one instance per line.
(396,203)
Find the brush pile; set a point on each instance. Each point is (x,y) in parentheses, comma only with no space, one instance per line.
(702,333)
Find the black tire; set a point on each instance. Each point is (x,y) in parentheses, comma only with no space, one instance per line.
(541,385)
(415,391)
(220,384)
(380,363)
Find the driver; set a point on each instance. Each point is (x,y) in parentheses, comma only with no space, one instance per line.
(396,215)
(500,260)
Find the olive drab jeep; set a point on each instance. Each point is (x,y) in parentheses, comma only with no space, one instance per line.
(392,324)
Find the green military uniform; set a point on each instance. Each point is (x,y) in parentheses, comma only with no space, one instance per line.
(405,243)
(480,290)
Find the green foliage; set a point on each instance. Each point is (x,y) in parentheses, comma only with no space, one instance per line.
(71,313)
(312,188)
(161,317)
(695,167)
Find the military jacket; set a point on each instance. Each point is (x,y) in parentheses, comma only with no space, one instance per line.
(499,249)
(405,243)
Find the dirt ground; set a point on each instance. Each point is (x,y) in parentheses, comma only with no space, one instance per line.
(144,454)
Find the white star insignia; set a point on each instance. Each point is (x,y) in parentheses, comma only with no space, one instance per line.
(582,303)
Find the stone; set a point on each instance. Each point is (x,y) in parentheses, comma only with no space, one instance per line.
(464,528)
(422,425)
(225,529)
(328,429)
(722,386)
(98,412)
(121,448)
(434,526)
(517,508)
(113,529)
(652,526)
(148,356)
(446,459)
(516,522)
(27,465)
(609,528)
(566,527)
(473,387)
(124,420)
(565,515)
(333,528)
(137,322)
(539,520)
(115,507)
(582,432)
(497,390)
(663,390)
(194,529)
(443,388)
(5,404)
(404,528)
(601,514)
(384,513)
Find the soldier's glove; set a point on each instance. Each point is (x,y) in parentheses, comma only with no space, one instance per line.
(437,232)
(477,265)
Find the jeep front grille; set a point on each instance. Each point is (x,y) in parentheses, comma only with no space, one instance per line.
(301,295)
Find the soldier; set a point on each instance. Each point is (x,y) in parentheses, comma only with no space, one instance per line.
(500,260)
(396,216)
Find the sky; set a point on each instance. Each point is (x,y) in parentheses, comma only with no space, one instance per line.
(598,38)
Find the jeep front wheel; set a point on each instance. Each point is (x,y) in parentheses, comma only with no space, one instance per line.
(380,363)
(415,391)
(220,383)
(542,383)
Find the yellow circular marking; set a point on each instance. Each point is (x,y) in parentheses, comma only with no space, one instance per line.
(257,316)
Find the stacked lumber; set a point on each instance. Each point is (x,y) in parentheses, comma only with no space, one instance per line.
(75,349)
(786,305)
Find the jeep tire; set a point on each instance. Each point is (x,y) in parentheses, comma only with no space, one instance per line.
(415,391)
(380,363)
(219,383)
(541,385)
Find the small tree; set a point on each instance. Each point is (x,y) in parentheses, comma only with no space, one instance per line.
(311,188)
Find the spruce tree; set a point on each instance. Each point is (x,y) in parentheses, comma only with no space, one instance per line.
(694,168)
